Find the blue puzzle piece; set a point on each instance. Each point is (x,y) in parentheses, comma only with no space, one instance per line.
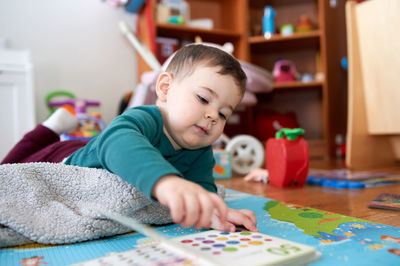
(334,183)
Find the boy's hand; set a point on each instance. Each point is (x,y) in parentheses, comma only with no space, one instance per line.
(189,203)
(245,218)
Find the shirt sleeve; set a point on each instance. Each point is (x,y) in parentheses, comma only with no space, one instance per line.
(126,149)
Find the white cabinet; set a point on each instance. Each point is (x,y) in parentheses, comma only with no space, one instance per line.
(17,111)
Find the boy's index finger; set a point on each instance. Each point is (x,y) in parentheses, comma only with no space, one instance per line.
(176,207)
(241,218)
(219,203)
(250,214)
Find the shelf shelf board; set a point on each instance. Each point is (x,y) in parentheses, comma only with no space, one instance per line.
(315,34)
(297,85)
(174,30)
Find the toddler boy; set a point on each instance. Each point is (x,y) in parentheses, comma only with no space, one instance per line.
(163,150)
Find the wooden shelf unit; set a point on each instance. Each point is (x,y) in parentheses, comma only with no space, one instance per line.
(227,28)
(319,105)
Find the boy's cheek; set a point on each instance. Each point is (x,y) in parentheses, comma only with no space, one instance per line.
(220,130)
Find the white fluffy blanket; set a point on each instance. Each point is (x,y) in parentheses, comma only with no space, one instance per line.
(45,203)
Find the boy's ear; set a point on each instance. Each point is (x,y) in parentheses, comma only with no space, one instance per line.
(163,84)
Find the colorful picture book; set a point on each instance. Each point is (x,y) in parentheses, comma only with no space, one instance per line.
(208,248)
(347,179)
(386,201)
(346,174)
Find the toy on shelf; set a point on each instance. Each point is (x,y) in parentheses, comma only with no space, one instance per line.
(286,30)
(344,63)
(287,158)
(268,22)
(268,122)
(284,71)
(340,146)
(132,6)
(166,47)
(204,23)
(307,77)
(176,20)
(173,11)
(89,124)
(304,24)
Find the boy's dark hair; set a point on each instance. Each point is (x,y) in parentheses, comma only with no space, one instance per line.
(188,57)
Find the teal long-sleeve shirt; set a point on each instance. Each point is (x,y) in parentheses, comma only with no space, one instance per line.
(135,148)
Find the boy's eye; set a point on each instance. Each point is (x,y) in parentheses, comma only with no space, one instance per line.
(222,116)
(202,99)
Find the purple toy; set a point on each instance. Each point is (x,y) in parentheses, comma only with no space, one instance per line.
(89,125)
(80,105)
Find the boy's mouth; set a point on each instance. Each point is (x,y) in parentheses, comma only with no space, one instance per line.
(202,130)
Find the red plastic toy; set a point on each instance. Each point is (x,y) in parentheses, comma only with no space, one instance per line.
(287,158)
(268,122)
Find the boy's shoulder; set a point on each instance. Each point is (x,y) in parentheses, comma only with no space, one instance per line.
(151,109)
(147,119)
(144,112)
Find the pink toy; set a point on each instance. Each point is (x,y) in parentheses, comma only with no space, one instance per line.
(284,71)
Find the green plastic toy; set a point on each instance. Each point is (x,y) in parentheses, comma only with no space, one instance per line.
(290,133)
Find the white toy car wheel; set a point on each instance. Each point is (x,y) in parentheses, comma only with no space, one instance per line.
(247,153)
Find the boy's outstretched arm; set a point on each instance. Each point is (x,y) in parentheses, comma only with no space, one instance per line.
(189,203)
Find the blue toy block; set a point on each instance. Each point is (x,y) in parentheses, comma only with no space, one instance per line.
(223,164)
(334,183)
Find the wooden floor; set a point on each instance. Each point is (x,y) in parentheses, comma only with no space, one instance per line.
(351,202)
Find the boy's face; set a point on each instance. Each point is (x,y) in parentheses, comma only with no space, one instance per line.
(196,107)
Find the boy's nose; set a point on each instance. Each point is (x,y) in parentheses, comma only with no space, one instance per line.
(212,116)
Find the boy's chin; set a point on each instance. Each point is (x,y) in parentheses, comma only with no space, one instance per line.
(194,145)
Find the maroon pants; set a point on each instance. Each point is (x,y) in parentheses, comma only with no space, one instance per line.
(42,145)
